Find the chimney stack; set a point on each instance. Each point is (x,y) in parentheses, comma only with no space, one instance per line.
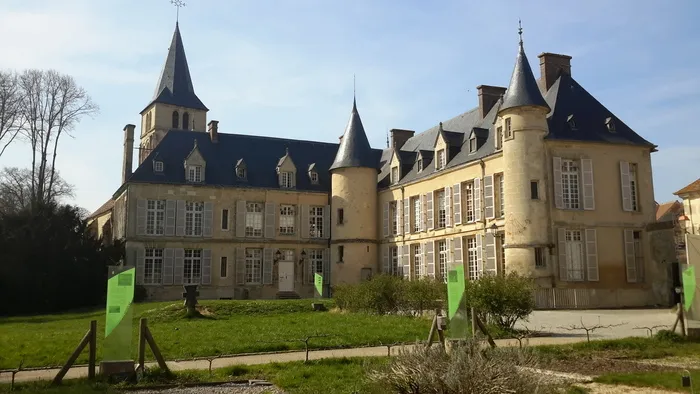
(214,131)
(551,66)
(488,97)
(399,137)
(128,152)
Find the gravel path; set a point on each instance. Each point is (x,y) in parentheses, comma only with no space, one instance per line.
(598,388)
(229,388)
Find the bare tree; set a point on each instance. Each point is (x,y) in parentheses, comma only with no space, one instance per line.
(10,99)
(16,188)
(52,105)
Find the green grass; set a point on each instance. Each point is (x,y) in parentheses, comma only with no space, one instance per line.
(627,348)
(234,327)
(661,380)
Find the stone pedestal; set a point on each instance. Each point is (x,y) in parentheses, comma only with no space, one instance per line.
(117,371)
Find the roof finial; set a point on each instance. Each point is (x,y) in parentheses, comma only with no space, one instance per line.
(387,138)
(178,4)
(286,151)
(520,31)
(441,127)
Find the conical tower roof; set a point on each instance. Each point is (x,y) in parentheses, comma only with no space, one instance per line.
(354,149)
(523,89)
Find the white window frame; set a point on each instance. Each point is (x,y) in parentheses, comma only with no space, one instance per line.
(395,215)
(153,266)
(393,260)
(241,172)
(440,159)
(472,145)
(253,266)
(417,260)
(316,229)
(634,192)
(442,259)
(158,166)
(501,196)
(416,214)
(287,220)
(286,179)
(313,175)
(223,267)
(638,256)
(194,173)
(194,216)
(540,257)
(575,259)
(315,257)
(441,209)
(254,219)
(508,133)
(472,261)
(501,252)
(571,184)
(155,217)
(499,138)
(469,213)
(420,165)
(193,264)
(394,175)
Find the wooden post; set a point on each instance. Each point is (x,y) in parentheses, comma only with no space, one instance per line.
(154,349)
(142,344)
(433,327)
(93,349)
(473,322)
(681,316)
(485,331)
(72,358)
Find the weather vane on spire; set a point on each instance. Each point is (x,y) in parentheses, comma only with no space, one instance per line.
(178,4)
(520,30)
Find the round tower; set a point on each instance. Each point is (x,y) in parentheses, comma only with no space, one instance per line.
(354,214)
(523,118)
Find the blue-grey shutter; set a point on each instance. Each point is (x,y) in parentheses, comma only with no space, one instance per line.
(477,199)
(270,214)
(168,262)
(430,258)
(140,264)
(326,266)
(588,188)
(423,224)
(240,266)
(304,221)
(141,205)
(558,189)
(479,254)
(626,186)
(386,265)
(592,254)
(170,215)
(561,245)
(326,222)
(206,266)
(208,219)
(406,256)
(179,266)
(448,206)
(457,203)
(457,250)
(489,211)
(430,210)
(630,258)
(268,256)
(406,216)
(385,220)
(490,246)
(240,218)
(180,225)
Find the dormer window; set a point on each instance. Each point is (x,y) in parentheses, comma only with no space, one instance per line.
(610,124)
(572,123)
(394,175)
(441,160)
(158,166)
(472,144)
(286,179)
(420,165)
(313,175)
(241,172)
(194,173)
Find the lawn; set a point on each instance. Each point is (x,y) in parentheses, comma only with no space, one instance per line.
(636,348)
(229,327)
(670,380)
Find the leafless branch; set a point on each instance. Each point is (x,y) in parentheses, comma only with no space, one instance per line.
(525,334)
(16,184)
(304,340)
(650,329)
(590,329)
(10,100)
(15,372)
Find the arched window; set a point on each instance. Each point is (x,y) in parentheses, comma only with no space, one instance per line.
(176,120)
(186,121)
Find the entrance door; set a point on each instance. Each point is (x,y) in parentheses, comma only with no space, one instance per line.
(286,275)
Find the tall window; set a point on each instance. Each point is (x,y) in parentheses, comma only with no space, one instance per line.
(253,266)
(540,258)
(176,120)
(442,259)
(341,216)
(223,267)
(639,256)
(193,217)
(155,217)
(192,272)
(194,173)
(633,187)
(570,184)
(315,263)
(287,219)
(469,200)
(186,121)
(395,219)
(286,178)
(441,213)
(509,132)
(441,160)
(394,174)
(316,222)
(417,261)
(499,138)
(472,145)
(224,219)
(254,219)
(416,214)
(472,263)
(393,260)
(148,121)
(574,255)
(501,251)
(420,165)
(500,196)
(287,254)
(153,266)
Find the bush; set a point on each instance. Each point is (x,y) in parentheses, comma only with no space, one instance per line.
(385,294)
(466,369)
(505,299)
(140,293)
(668,336)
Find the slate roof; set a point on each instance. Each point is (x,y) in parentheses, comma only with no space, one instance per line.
(261,156)
(354,150)
(175,84)
(523,89)
(693,187)
(106,207)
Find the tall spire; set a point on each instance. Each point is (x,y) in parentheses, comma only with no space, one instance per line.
(523,90)
(354,149)
(175,83)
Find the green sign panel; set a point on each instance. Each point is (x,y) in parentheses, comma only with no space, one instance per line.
(456,302)
(688,287)
(120,295)
(318,284)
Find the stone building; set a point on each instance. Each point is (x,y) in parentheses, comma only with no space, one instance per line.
(540,179)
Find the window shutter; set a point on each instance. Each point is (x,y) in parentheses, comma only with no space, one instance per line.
(170,214)
(561,240)
(406,216)
(423,225)
(588,189)
(490,249)
(293,174)
(306,268)
(326,266)
(208,219)
(457,203)
(489,210)
(457,250)
(477,199)
(140,264)
(430,254)
(179,266)
(305,221)
(270,214)
(626,188)
(279,178)
(406,256)
(448,206)
(206,266)
(268,256)
(240,266)
(180,224)
(386,219)
(240,218)
(592,254)
(479,255)
(386,260)
(399,216)
(430,216)
(558,192)
(168,261)
(630,262)
(424,258)
(141,205)
(326,222)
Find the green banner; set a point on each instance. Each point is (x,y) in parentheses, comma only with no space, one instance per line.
(318,284)
(457,312)
(118,322)
(688,287)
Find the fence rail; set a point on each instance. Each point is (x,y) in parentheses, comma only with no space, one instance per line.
(554,298)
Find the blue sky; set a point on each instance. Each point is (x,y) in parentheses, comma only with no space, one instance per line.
(285,68)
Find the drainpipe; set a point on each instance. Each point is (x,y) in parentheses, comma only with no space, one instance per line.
(483,211)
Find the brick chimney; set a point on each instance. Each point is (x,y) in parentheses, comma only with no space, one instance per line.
(551,66)
(128,152)
(213,127)
(399,137)
(488,97)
